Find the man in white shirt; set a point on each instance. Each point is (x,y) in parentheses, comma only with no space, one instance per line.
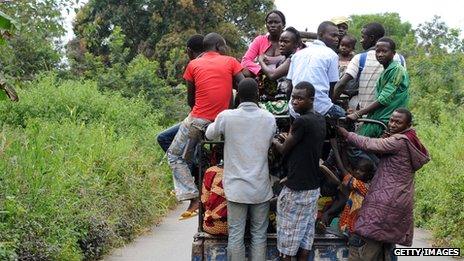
(318,65)
(248,132)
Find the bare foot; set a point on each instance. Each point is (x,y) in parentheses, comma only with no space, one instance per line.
(194,204)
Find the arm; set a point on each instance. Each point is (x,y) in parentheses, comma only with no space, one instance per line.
(341,85)
(276,73)
(190,94)
(296,134)
(215,129)
(357,114)
(238,78)
(375,145)
(251,54)
(355,184)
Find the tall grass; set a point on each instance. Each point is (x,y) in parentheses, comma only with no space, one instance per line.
(79,172)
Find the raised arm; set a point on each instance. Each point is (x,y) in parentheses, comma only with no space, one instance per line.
(376,145)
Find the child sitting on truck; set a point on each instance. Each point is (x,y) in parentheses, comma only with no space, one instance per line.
(358,184)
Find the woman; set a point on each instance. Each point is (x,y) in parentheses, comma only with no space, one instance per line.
(267,44)
(274,94)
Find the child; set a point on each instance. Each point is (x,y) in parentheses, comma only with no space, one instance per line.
(296,206)
(357,184)
(346,52)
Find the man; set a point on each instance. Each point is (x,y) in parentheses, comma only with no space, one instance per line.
(318,65)
(392,90)
(342,23)
(386,215)
(296,205)
(209,81)
(248,132)
(365,68)
(194,49)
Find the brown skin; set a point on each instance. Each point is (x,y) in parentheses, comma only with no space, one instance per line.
(221,48)
(397,123)
(285,143)
(384,55)
(275,27)
(287,46)
(342,30)
(367,41)
(330,37)
(346,50)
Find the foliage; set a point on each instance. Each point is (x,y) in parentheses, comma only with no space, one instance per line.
(436,35)
(400,32)
(80,171)
(155,27)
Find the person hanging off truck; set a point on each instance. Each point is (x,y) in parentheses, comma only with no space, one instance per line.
(209,94)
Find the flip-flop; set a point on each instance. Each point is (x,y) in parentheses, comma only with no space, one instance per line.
(188,214)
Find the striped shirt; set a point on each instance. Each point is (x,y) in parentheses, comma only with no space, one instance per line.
(368,78)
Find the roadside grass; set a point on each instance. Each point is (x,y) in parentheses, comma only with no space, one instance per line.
(80,172)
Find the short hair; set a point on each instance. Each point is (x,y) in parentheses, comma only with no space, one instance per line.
(277,12)
(407,113)
(195,43)
(350,39)
(295,32)
(248,89)
(375,29)
(389,41)
(322,28)
(310,90)
(211,40)
(368,166)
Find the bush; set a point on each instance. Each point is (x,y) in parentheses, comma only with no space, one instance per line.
(80,172)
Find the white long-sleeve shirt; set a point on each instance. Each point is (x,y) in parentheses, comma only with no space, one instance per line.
(248,132)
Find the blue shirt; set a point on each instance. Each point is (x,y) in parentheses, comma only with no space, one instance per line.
(317,64)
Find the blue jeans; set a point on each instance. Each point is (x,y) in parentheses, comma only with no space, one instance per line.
(236,219)
(336,112)
(166,137)
(180,156)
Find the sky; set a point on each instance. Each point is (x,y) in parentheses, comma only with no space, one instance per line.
(303,14)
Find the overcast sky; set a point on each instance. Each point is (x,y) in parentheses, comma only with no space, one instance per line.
(303,14)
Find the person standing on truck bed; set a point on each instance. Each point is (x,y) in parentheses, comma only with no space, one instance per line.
(318,65)
(209,81)
(386,215)
(301,148)
(248,132)
(365,68)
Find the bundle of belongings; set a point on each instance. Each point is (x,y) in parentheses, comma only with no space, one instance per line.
(214,202)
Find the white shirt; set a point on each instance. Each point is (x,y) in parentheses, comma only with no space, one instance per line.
(317,64)
(248,132)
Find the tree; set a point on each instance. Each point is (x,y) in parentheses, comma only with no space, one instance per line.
(436,35)
(32,48)
(400,32)
(159,29)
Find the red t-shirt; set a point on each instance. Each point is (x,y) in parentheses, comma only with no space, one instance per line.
(212,74)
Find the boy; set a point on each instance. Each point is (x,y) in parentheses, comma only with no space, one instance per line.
(392,90)
(296,206)
(248,132)
(345,52)
(358,184)
(209,81)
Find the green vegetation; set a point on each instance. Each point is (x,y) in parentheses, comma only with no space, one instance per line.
(80,171)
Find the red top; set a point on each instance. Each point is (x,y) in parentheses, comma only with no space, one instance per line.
(212,74)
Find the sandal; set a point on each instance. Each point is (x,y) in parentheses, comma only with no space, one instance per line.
(188,214)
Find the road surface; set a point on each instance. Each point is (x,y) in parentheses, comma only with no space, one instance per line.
(172,240)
